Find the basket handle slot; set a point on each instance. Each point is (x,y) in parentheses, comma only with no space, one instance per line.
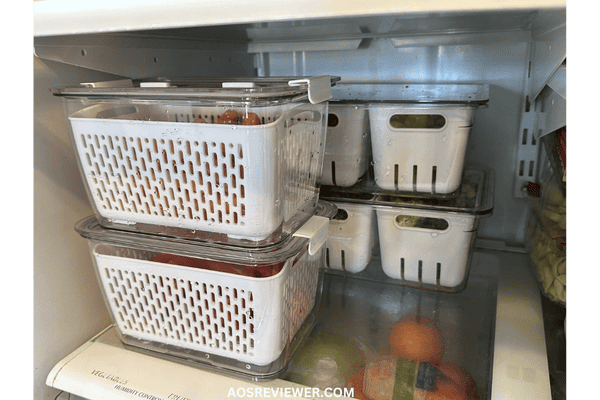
(116,112)
(341,215)
(402,221)
(307,115)
(332,120)
(417,121)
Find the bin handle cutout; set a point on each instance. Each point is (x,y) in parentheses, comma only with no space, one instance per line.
(417,121)
(311,115)
(340,216)
(316,229)
(332,120)
(116,112)
(402,221)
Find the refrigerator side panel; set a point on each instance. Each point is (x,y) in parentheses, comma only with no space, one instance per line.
(68,306)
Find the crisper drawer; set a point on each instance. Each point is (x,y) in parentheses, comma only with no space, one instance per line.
(481,330)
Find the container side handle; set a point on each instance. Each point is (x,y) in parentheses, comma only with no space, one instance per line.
(319,88)
(316,229)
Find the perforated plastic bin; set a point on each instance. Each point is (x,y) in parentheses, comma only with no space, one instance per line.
(351,238)
(420,148)
(181,160)
(422,241)
(419,133)
(348,147)
(227,308)
(426,247)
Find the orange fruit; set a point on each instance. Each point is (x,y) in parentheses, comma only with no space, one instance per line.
(417,338)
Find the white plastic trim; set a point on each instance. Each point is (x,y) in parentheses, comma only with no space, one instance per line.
(316,229)
(319,88)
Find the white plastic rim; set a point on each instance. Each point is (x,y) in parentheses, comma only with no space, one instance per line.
(242,318)
(348,146)
(422,159)
(351,241)
(422,255)
(149,165)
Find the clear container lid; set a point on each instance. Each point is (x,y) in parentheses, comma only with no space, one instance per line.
(252,91)
(91,229)
(468,94)
(475,195)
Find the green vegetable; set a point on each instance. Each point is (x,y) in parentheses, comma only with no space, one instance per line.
(326,361)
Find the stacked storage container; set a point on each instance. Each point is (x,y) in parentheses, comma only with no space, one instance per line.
(207,226)
(417,191)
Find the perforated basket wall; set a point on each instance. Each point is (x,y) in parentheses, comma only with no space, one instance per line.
(426,256)
(350,243)
(348,148)
(428,160)
(246,319)
(151,164)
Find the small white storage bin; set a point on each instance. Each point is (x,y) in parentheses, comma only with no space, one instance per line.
(419,148)
(229,308)
(348,147)
(419,132)
(423,241)
(351,238)
(436,254)
(161,157)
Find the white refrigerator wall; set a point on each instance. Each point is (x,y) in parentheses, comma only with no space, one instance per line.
(68,307)
(495,134)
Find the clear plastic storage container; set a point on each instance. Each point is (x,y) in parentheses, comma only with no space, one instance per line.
(424,242)
(348,147)
(216,305)
(237,157)
(419,132)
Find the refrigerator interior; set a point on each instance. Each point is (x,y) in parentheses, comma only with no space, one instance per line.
(519,50)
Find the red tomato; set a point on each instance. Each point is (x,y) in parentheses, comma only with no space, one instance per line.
(228,117)
(251,119)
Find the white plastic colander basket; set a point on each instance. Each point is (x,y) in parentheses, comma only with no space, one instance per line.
(420,159)
(242,318)
(348,148)
(435,254)
(166,303)
(351,238)
(152,166)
